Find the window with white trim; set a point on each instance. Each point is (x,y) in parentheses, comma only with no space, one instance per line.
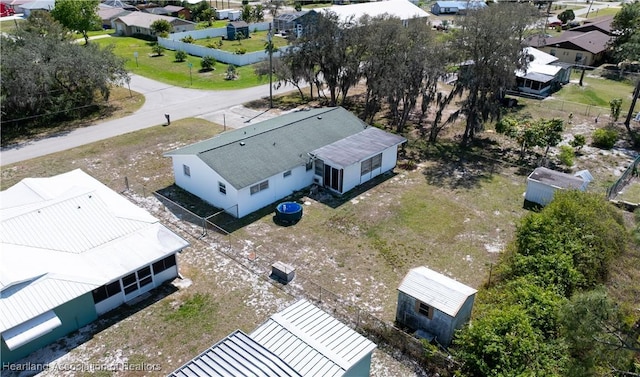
(186,170)
(370,164)
(222,188)
(286,174)
(424,309)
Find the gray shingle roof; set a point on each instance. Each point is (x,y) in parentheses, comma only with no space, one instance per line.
(253,153)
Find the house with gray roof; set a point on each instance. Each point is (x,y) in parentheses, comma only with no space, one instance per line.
(301,340)
(249,168)
(71,250)
(140,23)
(433,305)
(456,7)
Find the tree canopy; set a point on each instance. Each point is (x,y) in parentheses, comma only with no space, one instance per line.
(626,26)
(81,16)
(161,27)
(63,80)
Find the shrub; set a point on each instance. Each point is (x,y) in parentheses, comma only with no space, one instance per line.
(604,138)
(207,63)
(188,39)
(240,51)
(181,56)
(566,155)
(578,141)
(615,105)
(157,49)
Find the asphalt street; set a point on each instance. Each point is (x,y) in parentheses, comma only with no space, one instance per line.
(161,99)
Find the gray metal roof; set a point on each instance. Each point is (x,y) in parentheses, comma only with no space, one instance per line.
(556,178)
(354,148)
(253,153)
(312,342)
(436,290)
(539,77)
(236,355)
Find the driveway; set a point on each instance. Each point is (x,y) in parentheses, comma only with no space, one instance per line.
(161,99)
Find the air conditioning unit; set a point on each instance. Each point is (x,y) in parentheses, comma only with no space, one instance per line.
(317,180)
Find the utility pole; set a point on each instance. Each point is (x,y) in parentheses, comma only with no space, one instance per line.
(270,47)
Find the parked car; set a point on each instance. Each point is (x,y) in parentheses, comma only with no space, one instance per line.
(554,24)
(6,10)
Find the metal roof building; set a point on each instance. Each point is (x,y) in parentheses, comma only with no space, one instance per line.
(62,238)
(236,355)
(543,182)
(402,9)
(436,290)
(314,343)
(433,304)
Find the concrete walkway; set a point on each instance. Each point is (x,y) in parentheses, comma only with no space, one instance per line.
(161,99)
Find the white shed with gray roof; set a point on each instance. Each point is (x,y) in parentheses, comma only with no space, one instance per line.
(432,304)
(254,166)
(543,182)
(315,343)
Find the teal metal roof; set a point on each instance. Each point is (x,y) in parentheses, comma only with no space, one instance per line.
(251,154)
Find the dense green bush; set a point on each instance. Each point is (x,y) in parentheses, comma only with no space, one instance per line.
(207,63)
(604,138)
(566,155)
(578,142)
(181,56)
(188,39)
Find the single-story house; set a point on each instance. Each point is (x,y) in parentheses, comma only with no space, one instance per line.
(45,5)
(543,182)
(157,10)
(109,14)
(301,340)
(254,166)
(602,24)
(544,74)
(402,9)
(433,305)
(456,7)
(71,250)
(140,23)
(178,11)
(15,4)
(237,28)
(294,22)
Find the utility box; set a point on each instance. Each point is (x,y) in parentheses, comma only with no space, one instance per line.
(282,272)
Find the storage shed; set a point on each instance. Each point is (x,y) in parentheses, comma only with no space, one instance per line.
(433,305)
(234,29)
(543,183)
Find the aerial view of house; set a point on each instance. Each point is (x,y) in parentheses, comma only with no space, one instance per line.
(140,23)
(71,250)
(258,164)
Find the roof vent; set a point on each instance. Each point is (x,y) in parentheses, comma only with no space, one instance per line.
(242,144)
(319,117)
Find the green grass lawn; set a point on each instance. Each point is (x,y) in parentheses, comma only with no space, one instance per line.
(604,12)
(595,91)
(8,26)
(166,69)
(256,42)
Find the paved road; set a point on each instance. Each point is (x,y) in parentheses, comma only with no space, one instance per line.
(161,98)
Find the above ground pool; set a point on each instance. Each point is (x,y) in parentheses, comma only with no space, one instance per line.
(289,212)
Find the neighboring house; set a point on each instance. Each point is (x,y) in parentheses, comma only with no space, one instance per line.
(180,12)
(456,7)
(234,29)
(301,340)
(140,23)
(402,9)
(15,4)
(119,4)
(246,169)
(544,74)
(542,184)
(294,22)
(109,14)
(71,250)
(581,45)
(45,5)
(157,10)
(433,305)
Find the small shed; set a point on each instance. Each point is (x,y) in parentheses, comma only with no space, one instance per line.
(433,305)
(234,15)
(234,29)
(222,14)
(543,183)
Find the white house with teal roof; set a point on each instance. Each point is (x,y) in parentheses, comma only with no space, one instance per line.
(71,250)
(246,169)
